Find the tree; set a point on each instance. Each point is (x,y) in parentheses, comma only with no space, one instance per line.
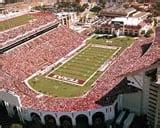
(143,32)
(96,9)
(155,21)
(158,5)
(102,3)
(85,5)
(156,9)
(80,8)
(148,33)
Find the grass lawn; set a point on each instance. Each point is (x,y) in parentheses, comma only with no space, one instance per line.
(122,42)
(82,66)
(14,22)
(60,89)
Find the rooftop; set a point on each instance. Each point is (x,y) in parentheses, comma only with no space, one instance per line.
(127,20)
(140,14)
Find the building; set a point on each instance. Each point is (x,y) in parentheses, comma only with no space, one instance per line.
(133,87)
(136,89)
(121,26)
(67,18)
(131,23)
(141,1)
(116,11)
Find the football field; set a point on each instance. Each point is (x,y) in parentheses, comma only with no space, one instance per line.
(79,69)
(76,75)
(14,22)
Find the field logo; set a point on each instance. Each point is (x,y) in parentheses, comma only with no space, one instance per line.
(67,79)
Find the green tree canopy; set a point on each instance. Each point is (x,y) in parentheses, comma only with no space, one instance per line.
(96,9)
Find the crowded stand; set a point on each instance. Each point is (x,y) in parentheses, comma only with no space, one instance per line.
(21,62)
(46,50)
(40,20)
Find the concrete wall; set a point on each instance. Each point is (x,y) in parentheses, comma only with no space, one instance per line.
(141,81)
(132,101)
(10,97)
(108,111)
(145,94)
(136,80)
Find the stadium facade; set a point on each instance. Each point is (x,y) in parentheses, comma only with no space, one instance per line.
(142,100)
(131,83)
(141,94)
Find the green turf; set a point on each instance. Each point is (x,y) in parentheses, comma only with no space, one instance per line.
(85,63)
(81,66)
(122,42)
(14,22)
(60,89)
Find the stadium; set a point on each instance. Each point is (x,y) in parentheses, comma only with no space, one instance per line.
(55,75)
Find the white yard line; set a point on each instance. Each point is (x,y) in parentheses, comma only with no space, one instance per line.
(28,85)
(107,63)
(75,53)
(70,59)
(54,64)
(101,65)
(104,46)
(111,63)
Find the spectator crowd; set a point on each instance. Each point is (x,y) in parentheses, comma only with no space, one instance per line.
(40,20)
(23,61)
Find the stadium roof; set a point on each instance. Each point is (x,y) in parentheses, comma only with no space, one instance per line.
(127,20)
(117,11)
(140,14)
